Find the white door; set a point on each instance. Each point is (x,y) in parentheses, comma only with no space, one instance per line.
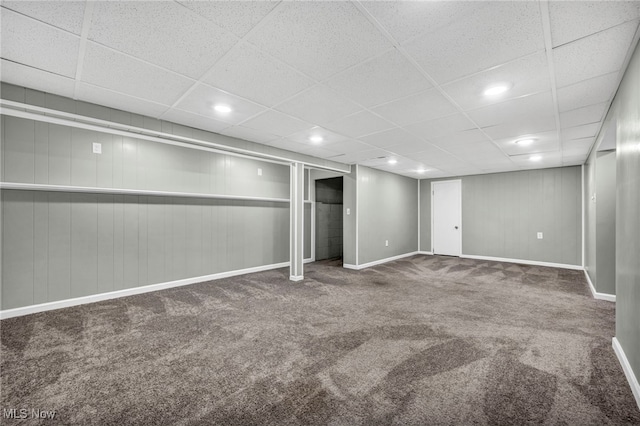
(447,217)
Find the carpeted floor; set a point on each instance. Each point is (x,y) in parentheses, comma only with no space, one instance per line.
(426,340)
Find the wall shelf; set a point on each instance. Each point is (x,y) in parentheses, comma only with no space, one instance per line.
(125,191)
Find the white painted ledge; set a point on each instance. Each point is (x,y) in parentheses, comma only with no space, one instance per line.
(125,191)
(628,371)
(49,306)
(596,295)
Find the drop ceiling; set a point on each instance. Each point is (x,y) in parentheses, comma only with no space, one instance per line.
(373,80)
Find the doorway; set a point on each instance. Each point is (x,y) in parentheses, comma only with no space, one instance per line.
(329,226)
(446,213)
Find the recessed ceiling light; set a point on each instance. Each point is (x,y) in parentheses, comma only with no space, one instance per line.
(316,139)
(421,171)
(535,158)
(393,161)
(496,90)
(222,108)
(525,142)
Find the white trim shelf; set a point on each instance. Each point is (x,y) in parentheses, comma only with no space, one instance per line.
(126,191)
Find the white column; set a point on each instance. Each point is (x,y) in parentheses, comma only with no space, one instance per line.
(296,244)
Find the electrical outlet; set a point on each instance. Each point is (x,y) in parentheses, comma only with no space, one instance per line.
(348,211)
(386,243)
(539,235)
(259,172)
(97,148)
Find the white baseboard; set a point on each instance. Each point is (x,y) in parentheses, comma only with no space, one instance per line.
(296,277)
(308,260)
(596,295)
(378,262)
(524,262)
(49,306)
(430,253)
(628,371)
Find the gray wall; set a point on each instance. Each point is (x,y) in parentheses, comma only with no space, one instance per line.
(388,210)
(502,212)
(58,245)
(626,112)
(606,222)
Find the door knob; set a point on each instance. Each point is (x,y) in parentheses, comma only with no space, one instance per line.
(456,227)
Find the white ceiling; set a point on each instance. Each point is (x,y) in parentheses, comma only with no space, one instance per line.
(376,80)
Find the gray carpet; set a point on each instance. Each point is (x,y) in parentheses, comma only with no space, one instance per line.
(420,341)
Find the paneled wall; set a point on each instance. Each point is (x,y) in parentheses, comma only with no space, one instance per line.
(503,212)
(387,211)
(60,245)
(626,112)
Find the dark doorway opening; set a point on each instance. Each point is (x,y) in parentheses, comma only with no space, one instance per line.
(329,227)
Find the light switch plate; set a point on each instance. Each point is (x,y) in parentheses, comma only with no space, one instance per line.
(97,148)
(348,211)
(259,172)
(539,235)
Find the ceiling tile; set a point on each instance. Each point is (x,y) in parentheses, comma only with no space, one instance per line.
(328,137)
(480,40)
(504,112)
(408,147)
(163,33)
(579,146)
(100,96)
(543,142)
(67,15)
(587,92)
(408,19)
(571,20)
(277,123)
(391,137)
(112,70)
(194,120)
(592,56)
(359,156)
(202,99)
(522,126)
(348,146)
(256,76)
(382,79)
(248,134)
(584,115)
(420,107)
(287,144)
(238,17)
(578,132)
(440,126)
(34,78)
(319,38)
(459,138)
(359,124)
(318,105)
(525,76)
(29,42)
(476,152)
(317,151)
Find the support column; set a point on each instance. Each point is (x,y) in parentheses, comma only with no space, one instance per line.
(296,243)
